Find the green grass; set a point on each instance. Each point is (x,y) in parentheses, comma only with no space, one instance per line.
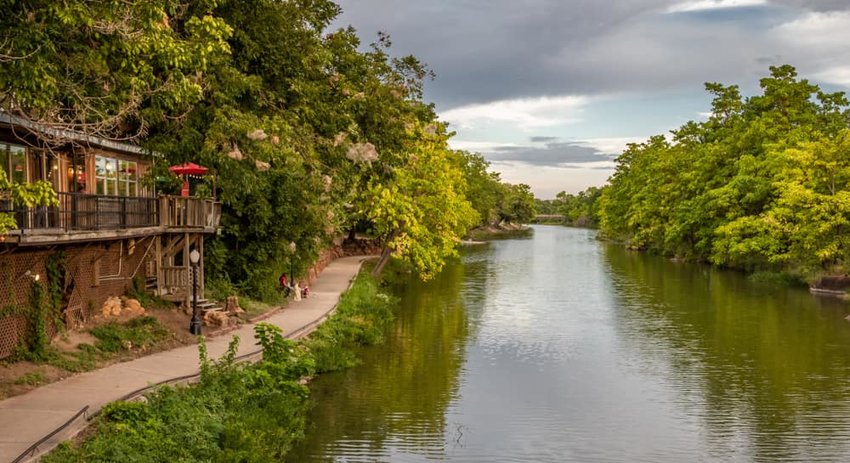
(113,339)
(140,333)
(362,314)
(36,378)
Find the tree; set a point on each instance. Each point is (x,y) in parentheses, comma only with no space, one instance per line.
(109,69)
(760,185)
(517,204)
(421,213)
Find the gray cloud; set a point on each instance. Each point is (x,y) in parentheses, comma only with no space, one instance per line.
(502,49)
(553,154)
(543,139)
(815,5)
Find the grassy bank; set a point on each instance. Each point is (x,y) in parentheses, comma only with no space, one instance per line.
(237,412)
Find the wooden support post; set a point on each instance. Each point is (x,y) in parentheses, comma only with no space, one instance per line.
(201,272)
(159,263)
(187,285)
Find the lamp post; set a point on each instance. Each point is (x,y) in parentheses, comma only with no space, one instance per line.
(195,324)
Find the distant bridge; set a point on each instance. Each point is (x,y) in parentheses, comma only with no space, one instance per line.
(548,218)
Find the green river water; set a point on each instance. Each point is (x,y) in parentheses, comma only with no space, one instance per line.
(561,348)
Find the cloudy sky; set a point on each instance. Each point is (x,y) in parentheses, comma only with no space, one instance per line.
(550,91)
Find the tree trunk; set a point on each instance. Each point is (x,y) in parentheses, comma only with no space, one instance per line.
(382,262)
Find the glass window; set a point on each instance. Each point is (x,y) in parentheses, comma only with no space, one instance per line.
(116,177)
(106,174)
(128,176)
(17,164)
(112,176)
(100,174)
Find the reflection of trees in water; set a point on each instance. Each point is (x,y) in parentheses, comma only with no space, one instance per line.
(768,365)
(403,387)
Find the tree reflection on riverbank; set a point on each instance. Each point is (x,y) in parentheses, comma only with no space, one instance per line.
(561,348)
(764,368)
(396,401)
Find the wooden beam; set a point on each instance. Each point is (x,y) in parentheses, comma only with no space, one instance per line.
(158,264)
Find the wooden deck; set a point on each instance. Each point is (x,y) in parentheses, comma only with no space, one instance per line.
(85,217)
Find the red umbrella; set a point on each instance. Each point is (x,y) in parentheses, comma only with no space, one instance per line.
(188,168)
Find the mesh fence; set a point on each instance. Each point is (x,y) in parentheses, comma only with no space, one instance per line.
(94,273)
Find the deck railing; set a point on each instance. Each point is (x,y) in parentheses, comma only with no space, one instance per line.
(183,212)
(87,212)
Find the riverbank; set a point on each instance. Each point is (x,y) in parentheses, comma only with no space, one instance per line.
(26,419)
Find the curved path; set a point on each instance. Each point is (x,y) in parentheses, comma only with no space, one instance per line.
(26,419)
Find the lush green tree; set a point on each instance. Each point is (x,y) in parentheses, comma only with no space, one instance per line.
(421,213)
(485,189)
(304,131)
(517,205)
(759,185)
(106,68)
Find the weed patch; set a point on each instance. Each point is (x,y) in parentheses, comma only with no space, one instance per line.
(139,334)
(35,378)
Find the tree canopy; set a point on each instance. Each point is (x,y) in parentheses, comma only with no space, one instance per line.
(762,184)
(308,132)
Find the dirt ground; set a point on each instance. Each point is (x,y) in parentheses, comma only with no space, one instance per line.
(22,376)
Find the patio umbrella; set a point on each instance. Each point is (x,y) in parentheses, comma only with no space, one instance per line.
(188,168)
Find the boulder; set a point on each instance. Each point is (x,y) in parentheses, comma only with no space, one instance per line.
(216,318)
(133,307)
(111,308)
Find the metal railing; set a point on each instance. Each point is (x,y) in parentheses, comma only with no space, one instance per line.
(88,212)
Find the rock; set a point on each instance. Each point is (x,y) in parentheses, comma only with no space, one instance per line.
(112,307)
(216,318)
(133,307)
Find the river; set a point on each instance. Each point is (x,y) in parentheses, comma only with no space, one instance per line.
(562,348)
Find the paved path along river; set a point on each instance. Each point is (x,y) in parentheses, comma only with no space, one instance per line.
(26,419)
(561,348)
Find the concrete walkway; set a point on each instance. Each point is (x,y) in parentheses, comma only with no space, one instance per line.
(26,419)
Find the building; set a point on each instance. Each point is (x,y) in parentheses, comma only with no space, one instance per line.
(109,229)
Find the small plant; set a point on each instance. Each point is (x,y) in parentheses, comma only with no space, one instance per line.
(34,378)
(85,360)
(140,334)
(37,340)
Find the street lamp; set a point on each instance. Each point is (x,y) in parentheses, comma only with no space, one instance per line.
(195,324)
